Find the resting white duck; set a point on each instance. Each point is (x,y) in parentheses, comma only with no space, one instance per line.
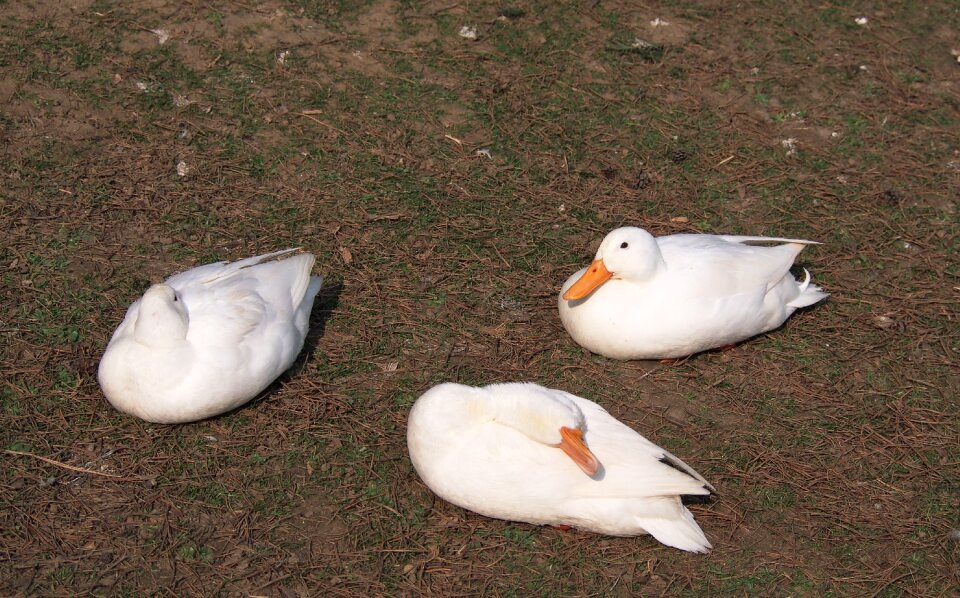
(209,339)
(523,452)
(647,297)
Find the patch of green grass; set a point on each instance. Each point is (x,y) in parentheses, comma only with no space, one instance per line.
(20,446)
(775,406)
(835,17)
(40,161)
(9,402)
(274,504)
(726,579)
(63,575)
(216,18)
(163,73)
(192,551)
(520,536)
(333,12)
(64,379)
(213,493)
(49,322)
(777,497)
(624,46)
(735,455)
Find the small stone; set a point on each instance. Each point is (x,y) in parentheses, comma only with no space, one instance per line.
(641,181)
(790,145)
(892,197)
(677,414)
(883,322)
(162,35)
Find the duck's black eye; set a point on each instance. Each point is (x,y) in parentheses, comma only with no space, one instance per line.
(175,298)
(623,245)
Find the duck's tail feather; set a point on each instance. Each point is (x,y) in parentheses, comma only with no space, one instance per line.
(299,271)
(671,460)
(316,283)
(748,240)
(210,273)
(312,289)
(266,257)
(809,293)
(682,532)
(282,276)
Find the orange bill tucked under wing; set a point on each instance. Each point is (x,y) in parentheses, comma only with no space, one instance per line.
(596,275)
(572,444)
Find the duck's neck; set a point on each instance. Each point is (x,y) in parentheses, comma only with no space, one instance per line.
(533,413)
(644,271)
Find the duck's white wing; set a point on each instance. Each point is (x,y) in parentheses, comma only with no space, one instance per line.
(639,487)
(748,240)
(633,466)
(728,265)
(249,308)
(211,273)
(283,284)
(224,317)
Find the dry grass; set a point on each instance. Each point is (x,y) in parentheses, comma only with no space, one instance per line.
(833,441)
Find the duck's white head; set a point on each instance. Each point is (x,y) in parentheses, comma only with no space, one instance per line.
(162,317)
(543,415)
(627,253)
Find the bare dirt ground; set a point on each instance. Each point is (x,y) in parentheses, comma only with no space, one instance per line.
(448,186)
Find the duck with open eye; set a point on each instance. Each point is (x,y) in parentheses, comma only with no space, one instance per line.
(647,297)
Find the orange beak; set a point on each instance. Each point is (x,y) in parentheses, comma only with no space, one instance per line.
(596,275)
(572,444)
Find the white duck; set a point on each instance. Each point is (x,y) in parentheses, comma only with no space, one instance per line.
(209,339)
(523,452)
(648,297)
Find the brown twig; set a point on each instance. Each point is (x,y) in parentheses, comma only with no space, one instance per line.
(71,467)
